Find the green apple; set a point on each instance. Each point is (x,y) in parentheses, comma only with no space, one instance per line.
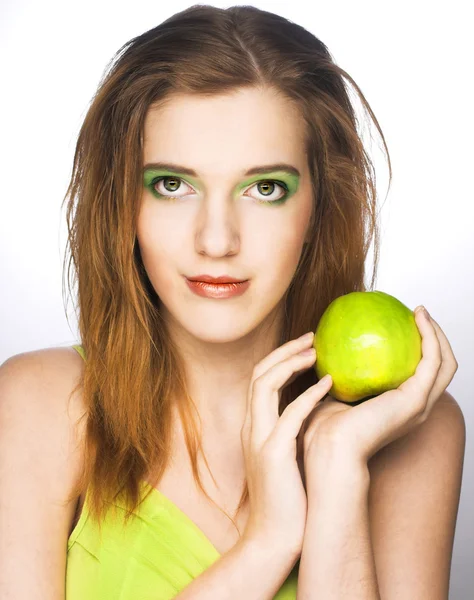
(368,342)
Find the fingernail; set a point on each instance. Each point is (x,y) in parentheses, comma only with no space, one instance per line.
(307,336)
(325,379)
(422,309)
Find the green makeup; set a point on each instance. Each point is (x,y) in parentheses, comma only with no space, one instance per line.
(287,180)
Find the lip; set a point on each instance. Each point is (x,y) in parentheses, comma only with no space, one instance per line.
(211,279)
(218,290)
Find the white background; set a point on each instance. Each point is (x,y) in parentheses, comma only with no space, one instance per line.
(413,62)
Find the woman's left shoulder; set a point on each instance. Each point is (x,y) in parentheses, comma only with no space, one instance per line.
(445,423)
(438,440)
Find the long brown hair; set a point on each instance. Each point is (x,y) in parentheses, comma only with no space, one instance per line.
(132,369)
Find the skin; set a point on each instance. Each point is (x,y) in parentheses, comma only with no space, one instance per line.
(220,225)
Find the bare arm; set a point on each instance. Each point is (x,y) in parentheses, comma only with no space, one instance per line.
(250,570)
(412,501)
(337,560)
(39,461)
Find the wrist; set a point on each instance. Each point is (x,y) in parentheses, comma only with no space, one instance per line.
(331,463)
(277,550)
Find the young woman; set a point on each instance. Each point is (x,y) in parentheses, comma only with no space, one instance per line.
(182,449)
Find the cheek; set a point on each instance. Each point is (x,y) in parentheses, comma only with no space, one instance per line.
(157,250)
(278,258)
(288,251)
(281,245)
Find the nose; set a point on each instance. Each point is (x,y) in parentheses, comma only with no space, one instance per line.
(217,227)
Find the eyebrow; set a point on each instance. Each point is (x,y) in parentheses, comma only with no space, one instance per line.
(253,171)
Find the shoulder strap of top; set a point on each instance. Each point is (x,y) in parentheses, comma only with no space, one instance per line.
(80,350)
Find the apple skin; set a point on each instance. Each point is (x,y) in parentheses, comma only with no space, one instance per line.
(368,342)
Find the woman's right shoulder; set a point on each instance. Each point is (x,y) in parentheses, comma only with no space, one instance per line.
(43,380)
(41,413)
(41,460)
(38,397)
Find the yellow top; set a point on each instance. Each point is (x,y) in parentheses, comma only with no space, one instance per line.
(154,557)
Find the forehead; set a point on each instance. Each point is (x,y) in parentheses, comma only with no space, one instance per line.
(248,125)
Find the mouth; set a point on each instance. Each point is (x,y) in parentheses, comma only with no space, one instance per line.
(219,290)
(222,279)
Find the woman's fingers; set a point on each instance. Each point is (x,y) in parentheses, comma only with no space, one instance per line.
(448,368)
(277,497)
(418,387)
(266,394)
(281,353)
(291,420)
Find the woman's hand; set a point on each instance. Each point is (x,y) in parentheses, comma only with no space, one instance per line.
(358,432)
(277,498)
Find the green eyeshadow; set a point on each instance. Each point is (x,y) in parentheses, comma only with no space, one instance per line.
(287,181)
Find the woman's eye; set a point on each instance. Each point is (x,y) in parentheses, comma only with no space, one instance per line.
(170,185)
(268,188)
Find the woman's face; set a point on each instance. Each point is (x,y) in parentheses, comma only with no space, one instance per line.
(221,220)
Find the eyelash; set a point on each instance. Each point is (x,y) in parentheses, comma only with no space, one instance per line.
(281,184)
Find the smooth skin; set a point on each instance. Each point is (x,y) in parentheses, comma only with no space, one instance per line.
(277,496)
(40,462)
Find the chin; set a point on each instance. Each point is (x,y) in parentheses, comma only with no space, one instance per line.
(216,334)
